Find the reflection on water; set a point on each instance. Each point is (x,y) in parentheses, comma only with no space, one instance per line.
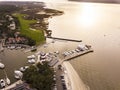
(98,25)
(88,17)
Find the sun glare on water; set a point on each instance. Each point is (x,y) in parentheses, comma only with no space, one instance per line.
(88,15)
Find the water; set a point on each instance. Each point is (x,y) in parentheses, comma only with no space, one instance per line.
(13,60)
(99,26)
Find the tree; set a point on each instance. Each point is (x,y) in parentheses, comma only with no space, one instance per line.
(39,76)
(31,42)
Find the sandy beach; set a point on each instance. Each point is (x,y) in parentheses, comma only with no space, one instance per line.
(75,81)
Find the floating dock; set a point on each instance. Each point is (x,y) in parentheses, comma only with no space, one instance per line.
(64,39)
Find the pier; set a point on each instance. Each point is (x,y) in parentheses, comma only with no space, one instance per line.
(72,40)
(75,55)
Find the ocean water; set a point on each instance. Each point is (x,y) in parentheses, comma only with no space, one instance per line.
(98,25)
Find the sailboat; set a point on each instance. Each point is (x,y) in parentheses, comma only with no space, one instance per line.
(7,80)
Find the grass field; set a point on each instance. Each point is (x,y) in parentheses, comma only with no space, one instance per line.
(37,35)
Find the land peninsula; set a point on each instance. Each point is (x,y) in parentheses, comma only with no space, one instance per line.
(25,22)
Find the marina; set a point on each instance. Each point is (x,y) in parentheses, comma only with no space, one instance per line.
(94,24)
(52,57)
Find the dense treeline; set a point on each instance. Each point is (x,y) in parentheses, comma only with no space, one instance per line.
(8,8)
(47,10)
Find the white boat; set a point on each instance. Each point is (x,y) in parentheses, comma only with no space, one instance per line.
(24,68)
(2,83)
(82,47)
(7,81)
(31,57)
(2,65)
(12,47)
(57,52)
(18,74)
(31,61)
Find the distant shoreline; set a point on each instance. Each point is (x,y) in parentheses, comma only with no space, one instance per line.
(98,1)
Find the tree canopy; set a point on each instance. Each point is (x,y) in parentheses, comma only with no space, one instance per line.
(39,76)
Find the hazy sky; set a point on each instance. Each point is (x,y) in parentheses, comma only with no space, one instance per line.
(37,0)
(112,1)
(24,0)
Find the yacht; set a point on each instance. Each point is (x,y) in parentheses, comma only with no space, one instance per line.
(18,74)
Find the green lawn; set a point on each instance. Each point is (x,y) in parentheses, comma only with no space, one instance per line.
(37,35)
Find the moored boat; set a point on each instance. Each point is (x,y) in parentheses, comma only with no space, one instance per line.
(7,81)
(2,83)
(2,65)
(18,74)
(22,69)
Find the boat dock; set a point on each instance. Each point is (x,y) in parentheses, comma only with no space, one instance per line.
(64,39)
(75,55)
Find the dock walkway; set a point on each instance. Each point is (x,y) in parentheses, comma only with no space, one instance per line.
(64,39)
(75,55)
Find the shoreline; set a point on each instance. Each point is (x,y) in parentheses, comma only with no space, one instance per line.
(75,81)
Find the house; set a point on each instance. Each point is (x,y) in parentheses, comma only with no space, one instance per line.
(12,26)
